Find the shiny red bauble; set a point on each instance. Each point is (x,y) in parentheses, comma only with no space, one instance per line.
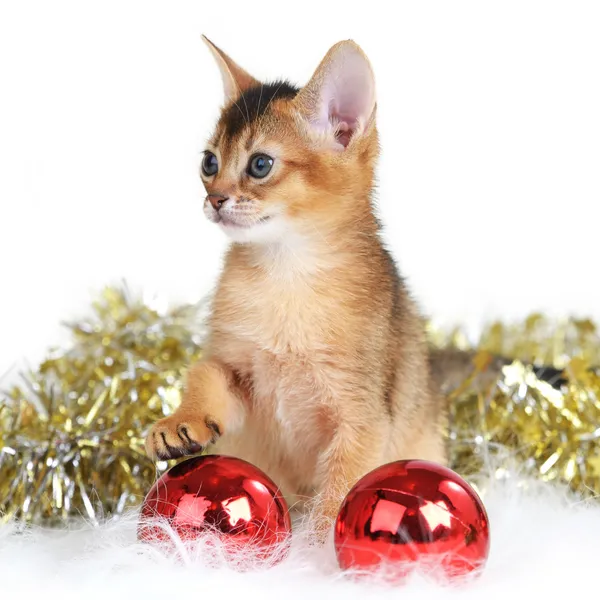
(410,513)
(218,495)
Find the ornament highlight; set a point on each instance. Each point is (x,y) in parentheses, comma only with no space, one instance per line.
(220,495)
(412,512)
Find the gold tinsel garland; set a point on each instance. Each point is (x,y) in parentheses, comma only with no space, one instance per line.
(539,414)
(72,433)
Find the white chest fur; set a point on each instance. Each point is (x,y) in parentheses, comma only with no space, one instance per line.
(277,304)
(275,330)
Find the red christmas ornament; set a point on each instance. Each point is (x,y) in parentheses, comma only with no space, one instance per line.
(218,494)
(410,512)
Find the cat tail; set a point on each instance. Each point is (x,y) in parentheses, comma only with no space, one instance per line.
(451,368)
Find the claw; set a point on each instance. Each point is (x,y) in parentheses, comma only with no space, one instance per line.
(184,436)
(216,430)
(179,439)
(171,451)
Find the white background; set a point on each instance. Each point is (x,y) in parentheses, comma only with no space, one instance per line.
(489,115)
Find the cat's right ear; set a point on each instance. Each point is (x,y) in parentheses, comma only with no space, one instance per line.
(339,100)
(235,79)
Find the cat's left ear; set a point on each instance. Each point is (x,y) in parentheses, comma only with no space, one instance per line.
(235,79)
(339,100)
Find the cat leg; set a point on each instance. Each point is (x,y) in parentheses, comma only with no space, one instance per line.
(211,406)
(356,448)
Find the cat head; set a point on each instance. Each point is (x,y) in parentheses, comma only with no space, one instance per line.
(285,160)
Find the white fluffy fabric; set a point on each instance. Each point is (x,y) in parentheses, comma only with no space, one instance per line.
(543,542)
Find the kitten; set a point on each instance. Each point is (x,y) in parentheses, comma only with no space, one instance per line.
(316,365)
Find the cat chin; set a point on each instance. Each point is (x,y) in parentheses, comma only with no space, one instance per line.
(261,233)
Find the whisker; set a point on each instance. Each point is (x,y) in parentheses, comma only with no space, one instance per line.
(241,111)
(247,111)
(274,96)
(320,234)
(262,87)
(247,115)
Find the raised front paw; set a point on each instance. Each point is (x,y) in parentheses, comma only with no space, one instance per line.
(181,435)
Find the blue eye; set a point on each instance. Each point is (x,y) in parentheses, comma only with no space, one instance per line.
(260,165)
(210,164)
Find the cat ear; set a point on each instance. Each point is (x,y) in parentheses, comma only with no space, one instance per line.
(339,100)
(235,79)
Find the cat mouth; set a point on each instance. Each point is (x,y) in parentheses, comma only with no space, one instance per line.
(228,222)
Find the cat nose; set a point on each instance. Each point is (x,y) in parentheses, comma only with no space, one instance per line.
(217,200)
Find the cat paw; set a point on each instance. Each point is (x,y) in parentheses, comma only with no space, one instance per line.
(321,533)
(177,436)
(323,521)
